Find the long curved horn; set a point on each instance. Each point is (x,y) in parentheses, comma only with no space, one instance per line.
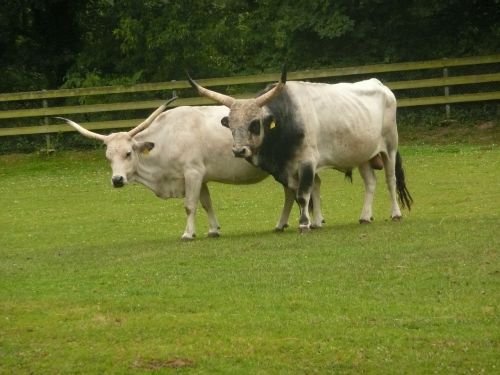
(275,91)
(83,131)
(143,125)
(219,98)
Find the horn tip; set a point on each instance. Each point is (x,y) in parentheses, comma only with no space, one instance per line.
(169,101)
(191,81)
(283,72)
(63,119)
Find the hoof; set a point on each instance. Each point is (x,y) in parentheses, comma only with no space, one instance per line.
(304,229)
(364,221)
(280,229)
(187,237)
(397,218)
(213,234)
(316,226)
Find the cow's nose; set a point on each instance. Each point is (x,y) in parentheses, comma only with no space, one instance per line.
(118,181)
(239,152)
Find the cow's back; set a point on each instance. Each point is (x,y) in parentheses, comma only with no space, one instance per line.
(348,122)
(193,137)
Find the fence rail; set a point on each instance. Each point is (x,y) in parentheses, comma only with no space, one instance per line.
(441,66)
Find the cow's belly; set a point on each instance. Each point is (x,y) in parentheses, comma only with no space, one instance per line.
(343,156)
(234,171)
(171,188)
(345,148)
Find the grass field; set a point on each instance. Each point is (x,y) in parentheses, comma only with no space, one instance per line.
(96,280)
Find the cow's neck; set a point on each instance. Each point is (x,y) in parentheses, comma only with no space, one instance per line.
(146,173)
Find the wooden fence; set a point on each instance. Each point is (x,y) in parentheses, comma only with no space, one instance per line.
(442,79)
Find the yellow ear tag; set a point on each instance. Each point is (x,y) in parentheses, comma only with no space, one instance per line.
(145,151)
(272,125)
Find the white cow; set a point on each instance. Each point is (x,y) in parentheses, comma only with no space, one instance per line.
(176,153)
(294,130)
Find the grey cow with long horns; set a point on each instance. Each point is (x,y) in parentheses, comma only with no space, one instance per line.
(176,153)
(295,129)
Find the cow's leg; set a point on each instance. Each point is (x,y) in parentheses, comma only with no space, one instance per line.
(370,180)
(306,181)
(390,178)
(206,203)
(193,181)
(317,215)
(287,208)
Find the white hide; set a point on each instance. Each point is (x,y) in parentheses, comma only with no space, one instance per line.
(347,125)
(191,148)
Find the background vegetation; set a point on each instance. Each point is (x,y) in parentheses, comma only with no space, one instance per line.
(47,44)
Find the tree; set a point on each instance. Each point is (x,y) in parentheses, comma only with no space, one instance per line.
(39,41)
(44,43)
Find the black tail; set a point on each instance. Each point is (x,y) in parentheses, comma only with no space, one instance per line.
(403,193)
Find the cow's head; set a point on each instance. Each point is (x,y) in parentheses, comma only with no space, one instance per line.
(248,118)
(122,149)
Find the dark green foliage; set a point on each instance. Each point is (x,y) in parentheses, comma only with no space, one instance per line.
(48,43)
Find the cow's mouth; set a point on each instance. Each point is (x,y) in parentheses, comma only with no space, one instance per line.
(242,152)
(118,181)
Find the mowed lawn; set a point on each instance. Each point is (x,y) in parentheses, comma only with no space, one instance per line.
(95,280)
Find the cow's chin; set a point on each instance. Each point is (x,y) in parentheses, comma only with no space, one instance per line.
(242,152)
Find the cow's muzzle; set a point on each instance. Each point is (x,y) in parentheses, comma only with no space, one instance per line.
(242,152)
(118,181)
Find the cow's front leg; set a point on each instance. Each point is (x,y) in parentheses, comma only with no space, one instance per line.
(370,180)
(193,182)
(287,208)
(306,180)
(206,202)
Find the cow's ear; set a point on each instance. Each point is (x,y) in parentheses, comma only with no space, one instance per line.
(269,123)
(225,121)
(144,147)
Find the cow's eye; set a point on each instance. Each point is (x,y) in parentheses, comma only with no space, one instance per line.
(254,127)
(128,154)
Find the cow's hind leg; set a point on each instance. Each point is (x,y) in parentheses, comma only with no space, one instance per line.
(193,182)
(206,203)
(317,215)
(306,181)
(370,180)
(390,178)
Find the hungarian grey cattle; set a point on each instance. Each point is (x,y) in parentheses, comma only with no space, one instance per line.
(176,153)
(295,129)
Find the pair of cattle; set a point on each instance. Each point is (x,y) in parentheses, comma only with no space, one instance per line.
(291,131)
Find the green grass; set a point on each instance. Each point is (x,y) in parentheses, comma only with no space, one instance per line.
(96,280)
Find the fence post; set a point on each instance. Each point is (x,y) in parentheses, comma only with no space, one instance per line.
(48,141)
(447,94)
(174,91)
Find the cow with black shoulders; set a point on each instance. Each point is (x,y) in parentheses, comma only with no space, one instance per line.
(294,130)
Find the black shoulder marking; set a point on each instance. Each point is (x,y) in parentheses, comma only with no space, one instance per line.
(282,140)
